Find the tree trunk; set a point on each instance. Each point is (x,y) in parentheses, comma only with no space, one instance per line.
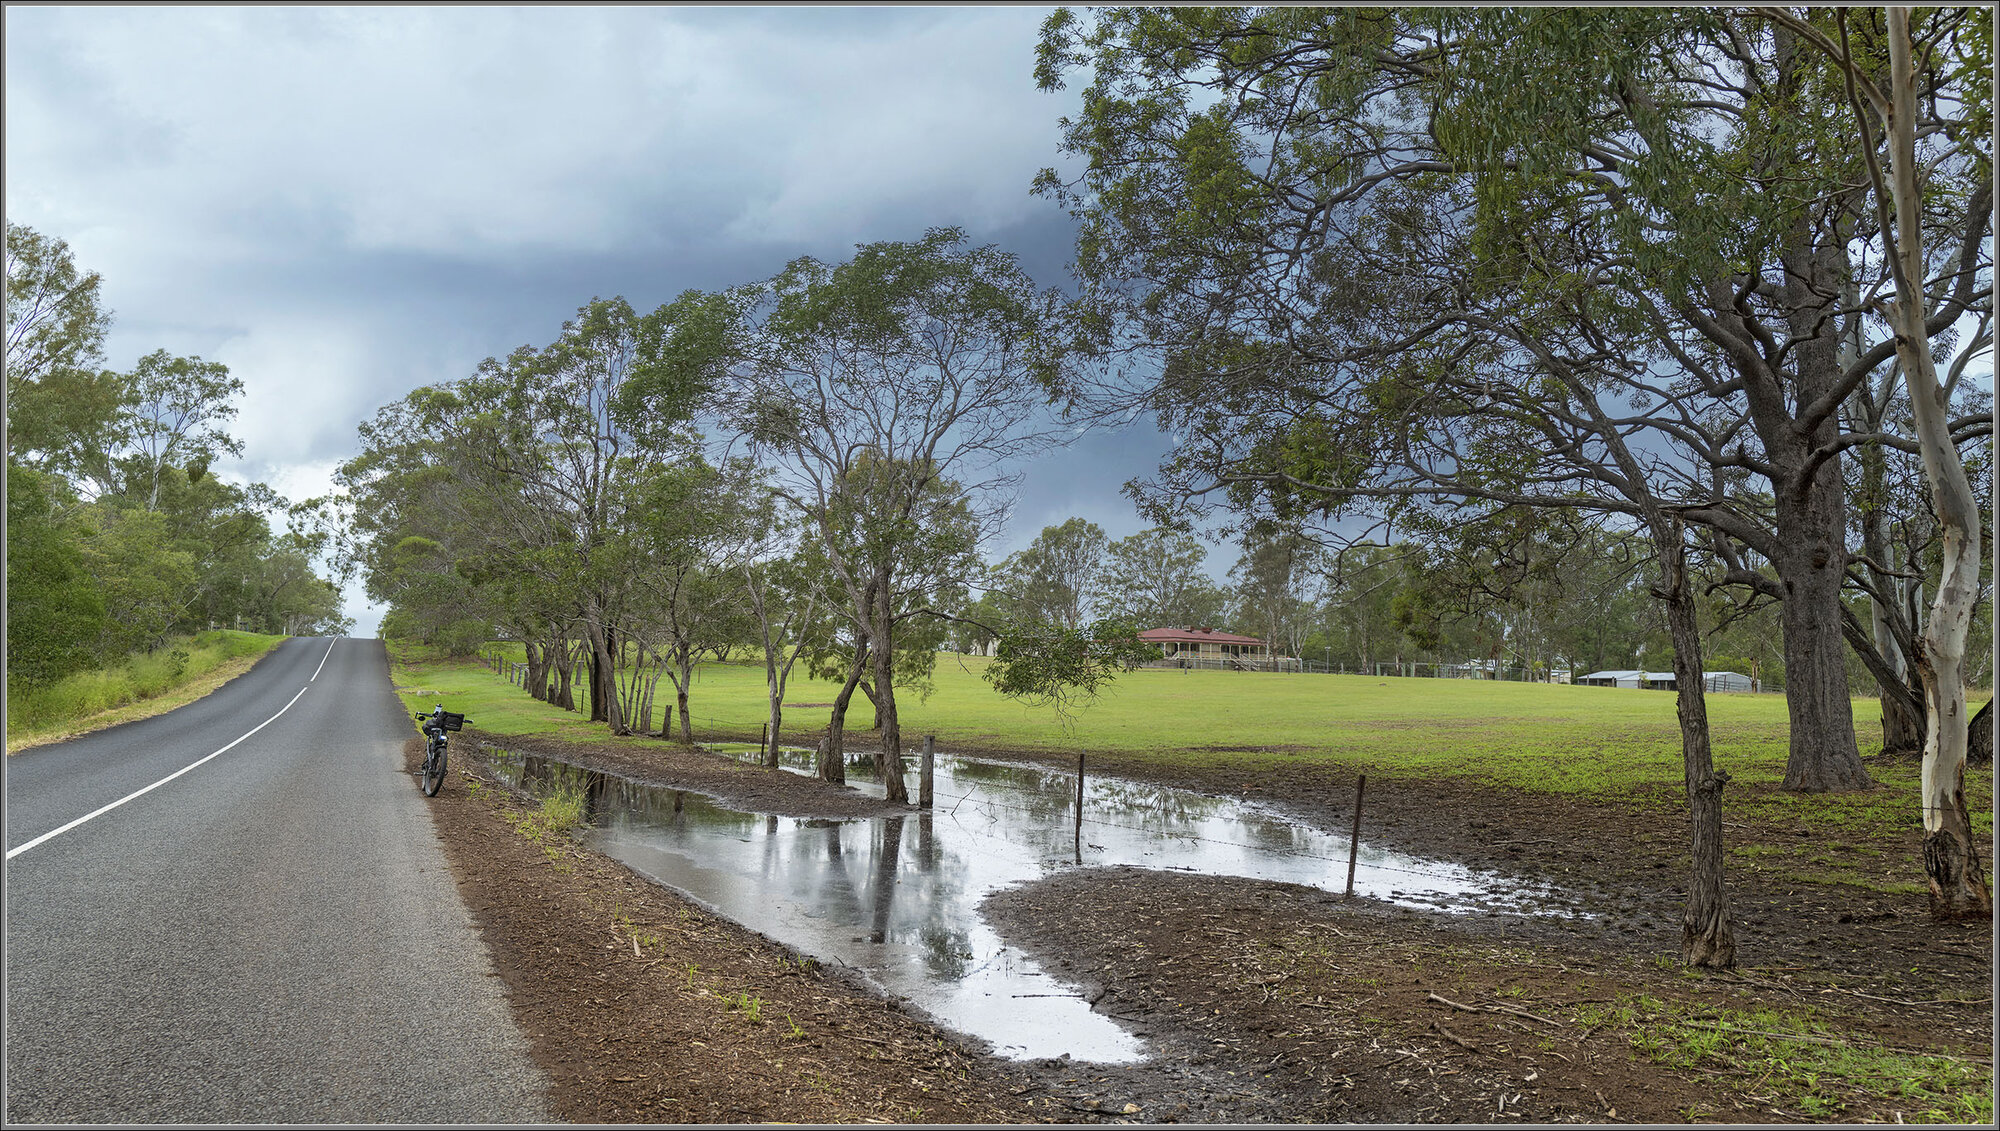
(867,688)
(658,668)
(604,705)
(1824,755)
(1902,729)
(597,662)
(536,680)
(1979,736)
(891,768)
(679,705)
(565,674)
(1809,505)
(1951,855)
(776,687)
(685,661)
(1706,937)
(833,755)
(774,683)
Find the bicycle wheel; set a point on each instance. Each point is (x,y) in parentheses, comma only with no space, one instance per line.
(433,770)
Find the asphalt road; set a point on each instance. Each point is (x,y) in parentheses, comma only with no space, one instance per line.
(270,937)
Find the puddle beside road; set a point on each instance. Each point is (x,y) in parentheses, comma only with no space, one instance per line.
(897,897)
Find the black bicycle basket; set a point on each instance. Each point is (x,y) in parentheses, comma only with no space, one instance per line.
(449,720)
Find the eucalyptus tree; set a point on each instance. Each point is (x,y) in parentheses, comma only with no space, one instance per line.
(1391,258)
(558,432)
(936,553)
(1277,578)
(788,603)
(1055,579)
(55,614)
(910,365)
(694,526)
(64,411)
(1358,612)
(122,536)
(179,405)
(1476,260)
(527,474)
(1155,578)
(1902,171)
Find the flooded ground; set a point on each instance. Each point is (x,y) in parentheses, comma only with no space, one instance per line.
(897,897)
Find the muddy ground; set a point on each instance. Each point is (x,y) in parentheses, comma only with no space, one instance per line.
(1261,1002)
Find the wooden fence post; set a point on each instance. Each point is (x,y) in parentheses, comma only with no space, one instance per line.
(927,776)
(1354,838)
(1079,806)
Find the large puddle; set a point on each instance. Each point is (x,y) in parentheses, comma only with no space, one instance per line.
(897,897)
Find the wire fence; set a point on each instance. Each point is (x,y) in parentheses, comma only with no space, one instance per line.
(716,730)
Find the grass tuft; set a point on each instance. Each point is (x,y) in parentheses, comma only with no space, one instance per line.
(1793,1059)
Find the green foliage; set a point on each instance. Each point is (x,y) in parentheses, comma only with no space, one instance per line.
(60,405)
(55,611)
(1065,668)
(1054,580)
(1155,578)
(161,546)
(531,500)
(1433,266)
(564,808)
(881,393)
(178,407)
(146,580)
(52,707)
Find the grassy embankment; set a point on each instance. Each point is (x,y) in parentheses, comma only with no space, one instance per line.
(1583,741)
(146,684)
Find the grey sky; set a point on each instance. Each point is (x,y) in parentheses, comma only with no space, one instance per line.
(342,204)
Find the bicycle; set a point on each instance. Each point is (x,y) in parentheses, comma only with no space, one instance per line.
(437,724)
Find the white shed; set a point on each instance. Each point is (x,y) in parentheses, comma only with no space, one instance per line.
(1665,681)
(1623,677)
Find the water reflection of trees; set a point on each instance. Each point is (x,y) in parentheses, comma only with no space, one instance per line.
(1014,801)
(947,950)
(888,846)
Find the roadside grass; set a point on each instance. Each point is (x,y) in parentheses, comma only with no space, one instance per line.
(145,684)
(1590,742)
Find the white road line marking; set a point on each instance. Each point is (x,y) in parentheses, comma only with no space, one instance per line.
(323,659)
(53,833)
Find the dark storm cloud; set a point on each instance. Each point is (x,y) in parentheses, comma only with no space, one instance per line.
(345,203)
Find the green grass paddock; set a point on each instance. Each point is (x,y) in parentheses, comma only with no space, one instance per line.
(1550,738)
(1591,742)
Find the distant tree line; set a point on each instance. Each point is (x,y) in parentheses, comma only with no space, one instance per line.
(862,420)
(119,536)
(1533,602)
